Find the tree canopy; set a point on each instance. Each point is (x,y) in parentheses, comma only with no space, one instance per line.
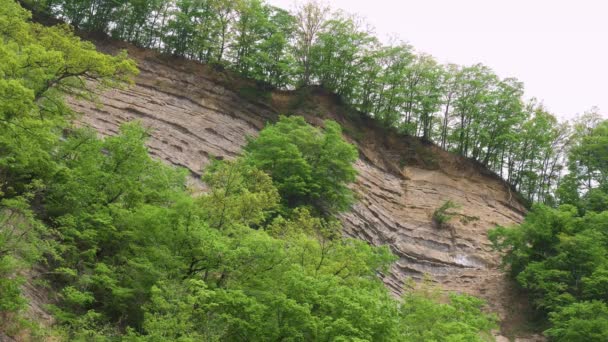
(465,109)
(310,167)
(560,254)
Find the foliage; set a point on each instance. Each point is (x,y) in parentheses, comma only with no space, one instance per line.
(560,258)
(38,65)
(559,255)
(240,195)
(586,184)
(460,319)
(136,250)
(309,167)
(441,215)
(21,245)
(464,109)
(583,321)
(131,254)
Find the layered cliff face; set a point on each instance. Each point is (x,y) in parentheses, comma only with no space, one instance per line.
(195,113)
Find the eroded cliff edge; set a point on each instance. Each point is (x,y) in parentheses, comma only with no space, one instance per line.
(195,113)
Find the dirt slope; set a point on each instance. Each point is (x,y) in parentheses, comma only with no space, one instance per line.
(195,113)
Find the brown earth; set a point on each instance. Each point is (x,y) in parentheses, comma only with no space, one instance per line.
(195,112)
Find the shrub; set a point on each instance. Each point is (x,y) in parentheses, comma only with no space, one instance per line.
(441,215)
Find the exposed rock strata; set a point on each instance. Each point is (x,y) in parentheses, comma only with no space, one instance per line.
(193,117)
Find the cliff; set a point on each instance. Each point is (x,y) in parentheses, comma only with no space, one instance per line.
(196,113)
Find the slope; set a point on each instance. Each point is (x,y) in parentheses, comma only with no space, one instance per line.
(196,113)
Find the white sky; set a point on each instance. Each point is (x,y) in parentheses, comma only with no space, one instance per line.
(558,48)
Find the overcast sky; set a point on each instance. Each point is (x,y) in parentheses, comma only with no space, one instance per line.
(559,49)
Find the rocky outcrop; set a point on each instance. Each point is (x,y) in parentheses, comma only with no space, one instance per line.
(194,113)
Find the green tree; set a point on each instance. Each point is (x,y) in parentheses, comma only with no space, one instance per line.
(585,321)
(309,166)
(587,181)
(271,61)
(425,316)
(310,18)
(468,110)
(559,257)
(240,194)
(337,54)
(38,66)
(395,61)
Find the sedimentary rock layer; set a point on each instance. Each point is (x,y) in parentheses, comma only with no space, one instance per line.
(194,114)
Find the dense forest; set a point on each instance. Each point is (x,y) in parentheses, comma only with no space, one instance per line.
(132,254)
(465,109)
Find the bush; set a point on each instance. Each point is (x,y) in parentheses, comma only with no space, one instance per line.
(441,215)
(584,321)
(425,315)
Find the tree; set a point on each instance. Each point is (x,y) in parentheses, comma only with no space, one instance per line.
(38,66)
(337,54)
(588,159)
(137,21)
(425,98)
(449,82)
(268,59)
(585,321)
(559,257)
(310,18)
(240,194)
(425,316)
(308,166)
(465,109)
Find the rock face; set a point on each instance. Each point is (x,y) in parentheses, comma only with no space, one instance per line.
(195,113)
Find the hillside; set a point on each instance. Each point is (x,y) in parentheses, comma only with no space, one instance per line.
(194,113)
(246,173)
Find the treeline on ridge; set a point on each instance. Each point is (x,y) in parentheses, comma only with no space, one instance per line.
(465,109)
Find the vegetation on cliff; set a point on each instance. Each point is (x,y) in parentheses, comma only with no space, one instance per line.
(127,252)
(560,255)
(465,109)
